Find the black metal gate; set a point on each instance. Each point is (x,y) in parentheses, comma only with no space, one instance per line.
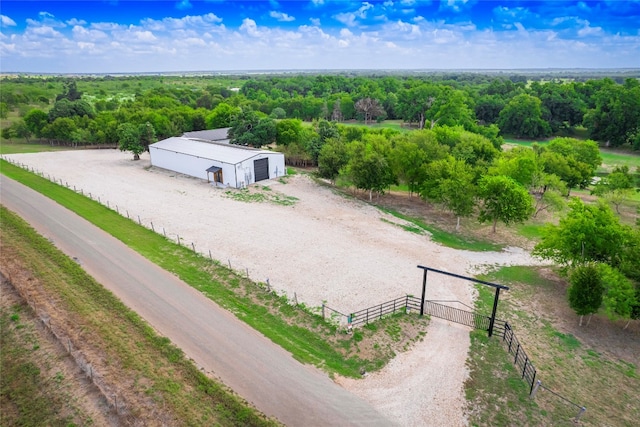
(468,318)
(261,169)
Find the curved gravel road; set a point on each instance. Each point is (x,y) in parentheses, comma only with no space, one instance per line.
(254,367)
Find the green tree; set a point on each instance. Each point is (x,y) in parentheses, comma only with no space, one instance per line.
(586,290)
(562,104)
(619,293)
(70,91)
(369,108)
(588,233)
(450,182)
(61,130)
(147,135)
(248,128)
(66,108)
(332,158)
(488,108)
(574,161)
(21,130)
(474,149)
(288,131)
(522,117)
(221,116)
(616,188)
(408,161)
(4,110)
(414,103)
(453,109)
(129,139)
(326,130)
(278,113)
(615,119)
(503,199)
(368,168)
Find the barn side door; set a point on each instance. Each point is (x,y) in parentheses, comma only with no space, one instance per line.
(261,169)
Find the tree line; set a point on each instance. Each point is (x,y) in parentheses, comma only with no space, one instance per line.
(514,105)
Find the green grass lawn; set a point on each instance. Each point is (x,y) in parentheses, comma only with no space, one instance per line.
(20,146)
(450,240)
(386,124)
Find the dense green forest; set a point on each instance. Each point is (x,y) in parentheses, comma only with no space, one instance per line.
(88,110)
(440,136)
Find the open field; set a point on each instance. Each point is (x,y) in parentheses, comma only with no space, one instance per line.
(610,157)
(343,252)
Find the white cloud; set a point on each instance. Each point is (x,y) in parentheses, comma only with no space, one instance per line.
(84,34)
(280,16)
(46,19)
(45,15)
(86,46)
(107,26)
(6,21)
(250,27)
(455,5)
(562,19)
(73,21)
(45,32)
(165,24)
(520,27)
(315,21)
(349,18)
(503,13)
(145,36)
(588,30)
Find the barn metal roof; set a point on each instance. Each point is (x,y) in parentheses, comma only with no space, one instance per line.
(218,135)
(226,153)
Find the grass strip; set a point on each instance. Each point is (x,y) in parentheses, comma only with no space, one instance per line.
(444,238)
(159,368)
(28,397)
(307,344)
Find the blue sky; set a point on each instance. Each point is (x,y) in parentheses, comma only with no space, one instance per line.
(187,35)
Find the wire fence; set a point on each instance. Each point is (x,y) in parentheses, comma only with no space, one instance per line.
(73,348)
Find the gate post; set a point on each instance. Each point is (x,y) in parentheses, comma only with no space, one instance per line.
(424,290)
(532,395)
(493,313)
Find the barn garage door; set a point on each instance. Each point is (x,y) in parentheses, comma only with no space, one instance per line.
(261,169)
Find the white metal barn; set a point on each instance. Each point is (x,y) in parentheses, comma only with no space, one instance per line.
(226,165)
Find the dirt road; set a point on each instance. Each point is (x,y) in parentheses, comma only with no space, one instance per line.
(246,361)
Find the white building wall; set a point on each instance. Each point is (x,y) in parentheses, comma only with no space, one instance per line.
(192,165)
(276,166)
(237,176)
